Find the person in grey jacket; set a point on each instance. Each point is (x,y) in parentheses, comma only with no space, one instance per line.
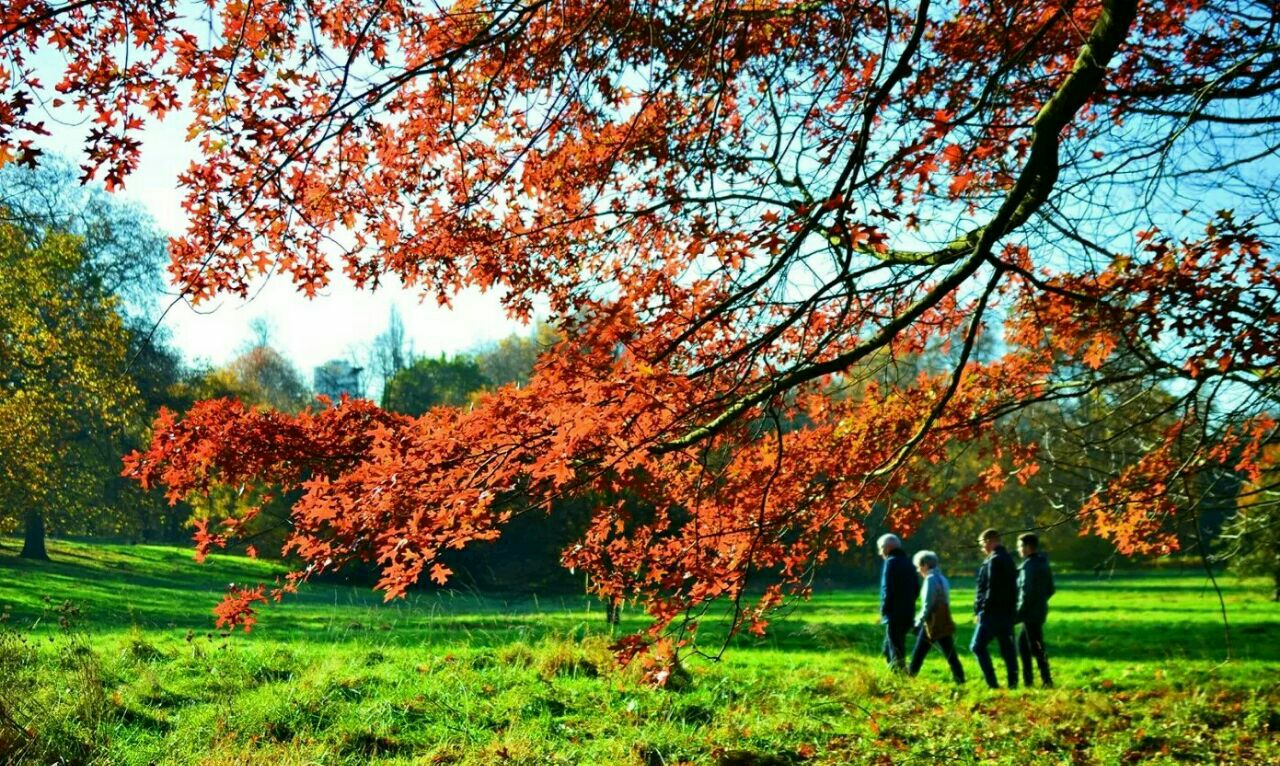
(1035,588)
(934,624)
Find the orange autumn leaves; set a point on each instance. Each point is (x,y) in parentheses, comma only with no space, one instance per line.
(1212,299)
(676,531)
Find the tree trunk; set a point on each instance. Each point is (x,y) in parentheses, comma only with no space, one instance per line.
(33,542)
(1275,594)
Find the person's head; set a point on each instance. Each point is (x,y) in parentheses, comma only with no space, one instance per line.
(888,544)
(1028,544)
(926,562)
(989,539)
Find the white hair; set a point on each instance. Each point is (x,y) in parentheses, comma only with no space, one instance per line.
(889,542)
(927,558)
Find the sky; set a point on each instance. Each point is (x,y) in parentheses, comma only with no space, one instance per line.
(337,324)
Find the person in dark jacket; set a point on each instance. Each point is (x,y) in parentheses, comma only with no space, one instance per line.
(995,602)
(1035,588)
(899,586)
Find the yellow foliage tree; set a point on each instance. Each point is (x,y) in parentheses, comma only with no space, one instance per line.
(64,385)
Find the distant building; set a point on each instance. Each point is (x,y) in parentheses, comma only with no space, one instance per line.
(337,377)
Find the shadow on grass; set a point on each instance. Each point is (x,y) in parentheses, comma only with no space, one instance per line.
(1077,638)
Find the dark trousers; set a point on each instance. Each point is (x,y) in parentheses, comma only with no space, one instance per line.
(895,643)
(947,644)
(1031,644)
(1002,633)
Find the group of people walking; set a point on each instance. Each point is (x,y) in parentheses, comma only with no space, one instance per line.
(1005,595)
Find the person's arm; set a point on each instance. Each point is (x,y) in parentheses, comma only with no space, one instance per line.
(1026,589)
(1048,576)
(884,589)
(980,589)
(929,598)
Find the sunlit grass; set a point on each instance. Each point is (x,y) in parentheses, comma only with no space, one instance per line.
(336,676)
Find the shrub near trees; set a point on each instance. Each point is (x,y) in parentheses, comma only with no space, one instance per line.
(528,558)
(260,378)
(726,207)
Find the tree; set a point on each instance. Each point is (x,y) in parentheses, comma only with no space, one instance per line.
(124,251)
(259,377)
(123,256)
(435,382)
(1083,444)
(512,359)
(726,207)
(162,380)
(390,353)
(64,385)
(1251,537)
(267,379)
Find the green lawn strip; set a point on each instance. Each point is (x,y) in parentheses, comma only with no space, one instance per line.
(335,676)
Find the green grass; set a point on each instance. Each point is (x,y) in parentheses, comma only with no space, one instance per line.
(334,676)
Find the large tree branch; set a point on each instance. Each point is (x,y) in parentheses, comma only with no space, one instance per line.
(1041,171)
(812,223)
(1027,195)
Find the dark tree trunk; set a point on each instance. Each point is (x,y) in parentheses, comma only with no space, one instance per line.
(172,526)
(1275,594)
(33,542)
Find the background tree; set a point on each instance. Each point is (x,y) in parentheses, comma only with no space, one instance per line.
(125,253)
(723,205)
(511,359)
(162,380)
(63,373)
(259,376)
(390,353)
(1251,536)
(1083,445)
(433,382)
(263,377)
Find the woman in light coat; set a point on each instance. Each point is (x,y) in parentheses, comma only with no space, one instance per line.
(934,625)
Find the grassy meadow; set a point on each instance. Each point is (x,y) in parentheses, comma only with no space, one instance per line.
(108,656)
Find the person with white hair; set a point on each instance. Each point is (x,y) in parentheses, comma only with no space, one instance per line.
(934,624)
(898,588)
